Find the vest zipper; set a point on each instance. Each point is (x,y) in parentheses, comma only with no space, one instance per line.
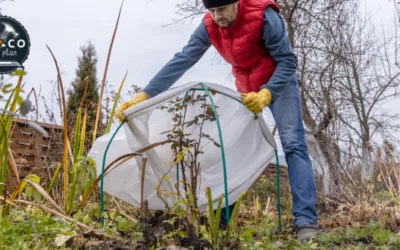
(232,50)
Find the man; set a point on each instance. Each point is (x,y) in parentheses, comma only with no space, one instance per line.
(251,36)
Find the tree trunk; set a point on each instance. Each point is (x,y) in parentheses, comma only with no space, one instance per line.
(326,153)
(367,165)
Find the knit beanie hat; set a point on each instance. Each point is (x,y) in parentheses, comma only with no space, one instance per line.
(217,3)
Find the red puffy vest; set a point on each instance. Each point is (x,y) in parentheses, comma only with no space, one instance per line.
(242,45)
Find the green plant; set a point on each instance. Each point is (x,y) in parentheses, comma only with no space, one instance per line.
(231,230)
(185,146)
(81,165)
(7,115)
(14,106)
(289,206)
(214,220)
(84,168)
(32,229)
(30,192)
(75,164)
(110,121)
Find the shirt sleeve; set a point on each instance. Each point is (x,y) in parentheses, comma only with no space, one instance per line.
(182,61)
(278,44)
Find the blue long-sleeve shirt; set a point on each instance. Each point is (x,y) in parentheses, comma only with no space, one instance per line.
(275,39)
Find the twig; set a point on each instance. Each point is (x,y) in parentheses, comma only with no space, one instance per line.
(158,188)
(144,160)
(65,130)
(133,220)
(337,203)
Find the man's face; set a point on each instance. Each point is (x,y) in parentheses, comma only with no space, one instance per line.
(225,15)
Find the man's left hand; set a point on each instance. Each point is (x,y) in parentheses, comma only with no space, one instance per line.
(256,101)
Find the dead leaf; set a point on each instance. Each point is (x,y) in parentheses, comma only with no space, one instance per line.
(61,239)
(279,244)
(379,178)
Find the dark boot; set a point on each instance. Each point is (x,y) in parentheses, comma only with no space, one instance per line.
(306,232)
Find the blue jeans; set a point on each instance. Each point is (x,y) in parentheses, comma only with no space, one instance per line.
(288,117)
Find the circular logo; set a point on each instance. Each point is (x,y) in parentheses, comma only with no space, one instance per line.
(14,44)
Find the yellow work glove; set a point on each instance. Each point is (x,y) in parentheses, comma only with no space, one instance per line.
(255,102)
(142,96)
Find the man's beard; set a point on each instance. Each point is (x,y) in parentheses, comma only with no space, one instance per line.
(225,23)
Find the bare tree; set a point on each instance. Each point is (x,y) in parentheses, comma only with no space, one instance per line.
(368,78)
(345,74)
(312,27)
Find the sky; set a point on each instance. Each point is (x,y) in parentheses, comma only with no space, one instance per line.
(142,45)
(143,42)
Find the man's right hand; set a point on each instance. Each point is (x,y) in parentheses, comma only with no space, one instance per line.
(142,96)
